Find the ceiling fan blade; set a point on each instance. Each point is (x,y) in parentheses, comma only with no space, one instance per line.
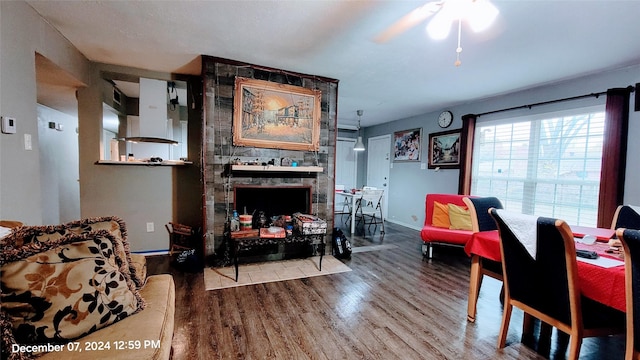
(408,21)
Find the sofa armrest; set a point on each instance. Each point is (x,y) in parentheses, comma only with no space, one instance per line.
(139,262)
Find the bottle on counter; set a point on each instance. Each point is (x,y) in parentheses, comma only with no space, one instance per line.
(235,221)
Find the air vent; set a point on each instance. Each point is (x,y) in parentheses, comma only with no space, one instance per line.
(116,96)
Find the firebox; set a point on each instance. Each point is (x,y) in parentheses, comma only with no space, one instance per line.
(273,200)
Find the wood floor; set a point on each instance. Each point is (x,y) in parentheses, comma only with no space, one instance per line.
(393,305)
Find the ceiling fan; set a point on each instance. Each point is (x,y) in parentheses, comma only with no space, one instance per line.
(480,14)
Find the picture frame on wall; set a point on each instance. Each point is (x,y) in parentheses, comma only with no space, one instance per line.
(444,150)
(407,145)
(276,116)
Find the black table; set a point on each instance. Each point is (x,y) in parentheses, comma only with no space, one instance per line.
(247,240)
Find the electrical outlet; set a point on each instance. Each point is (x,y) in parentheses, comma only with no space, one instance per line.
(150,227)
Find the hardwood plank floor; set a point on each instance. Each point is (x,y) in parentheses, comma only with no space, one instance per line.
(393,305)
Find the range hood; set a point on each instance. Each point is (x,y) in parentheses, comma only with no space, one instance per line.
(152,123)
(149,139)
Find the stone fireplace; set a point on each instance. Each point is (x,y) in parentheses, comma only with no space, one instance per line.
(227,188)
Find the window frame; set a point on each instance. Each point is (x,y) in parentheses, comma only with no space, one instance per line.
(531,180)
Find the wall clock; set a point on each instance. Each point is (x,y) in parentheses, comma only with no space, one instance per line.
(445,119)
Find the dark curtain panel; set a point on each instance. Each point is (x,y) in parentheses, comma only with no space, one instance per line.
(466,152)
(614,154)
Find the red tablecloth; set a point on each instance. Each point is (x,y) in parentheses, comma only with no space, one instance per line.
(605,285)
(600,234)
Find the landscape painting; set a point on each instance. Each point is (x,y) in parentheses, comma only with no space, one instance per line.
(277,116)
(444,150)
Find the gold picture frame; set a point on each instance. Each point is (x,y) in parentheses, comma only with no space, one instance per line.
(444,149)
(276,116)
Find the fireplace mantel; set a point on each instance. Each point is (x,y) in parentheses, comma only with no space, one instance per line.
(272,168)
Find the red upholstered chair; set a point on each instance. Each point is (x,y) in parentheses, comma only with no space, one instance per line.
(631,242)
(541,278)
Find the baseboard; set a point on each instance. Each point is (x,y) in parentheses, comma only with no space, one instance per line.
(410,226)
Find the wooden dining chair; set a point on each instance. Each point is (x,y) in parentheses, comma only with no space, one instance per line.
(481,221)
(630,239)
(626,216)
(540,278)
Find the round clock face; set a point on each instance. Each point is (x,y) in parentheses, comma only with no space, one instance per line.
(445,119)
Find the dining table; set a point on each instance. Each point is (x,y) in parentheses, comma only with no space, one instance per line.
(353,197)
(601,279)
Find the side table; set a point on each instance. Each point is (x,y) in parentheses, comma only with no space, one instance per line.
(244,240)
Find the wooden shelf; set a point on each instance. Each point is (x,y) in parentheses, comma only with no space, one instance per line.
(271,168)
(144,163)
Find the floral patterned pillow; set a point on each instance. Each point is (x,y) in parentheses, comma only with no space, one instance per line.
(61,290)
(52,233)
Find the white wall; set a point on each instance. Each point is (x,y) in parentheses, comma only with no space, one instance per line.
(138,194)
(409,184)
(58,166)
(22,34)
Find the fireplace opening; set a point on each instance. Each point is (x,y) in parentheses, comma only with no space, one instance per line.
(273,200)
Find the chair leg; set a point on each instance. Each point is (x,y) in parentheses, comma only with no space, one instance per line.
(426,250)
(504,326)
(475,282)
(574,347)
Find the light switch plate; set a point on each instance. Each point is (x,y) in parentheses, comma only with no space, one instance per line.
(8,125)
(27,142)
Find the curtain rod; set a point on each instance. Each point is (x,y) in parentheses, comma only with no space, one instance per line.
(596,95)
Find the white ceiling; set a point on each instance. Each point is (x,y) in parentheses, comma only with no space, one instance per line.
(532,43)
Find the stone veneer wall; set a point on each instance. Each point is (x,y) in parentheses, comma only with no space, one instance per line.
(219,77)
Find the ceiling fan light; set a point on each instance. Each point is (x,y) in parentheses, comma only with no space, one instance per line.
(483,14)
(359,146)
(439,27)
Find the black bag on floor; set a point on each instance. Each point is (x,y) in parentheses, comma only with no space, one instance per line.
(341,245)
(188,261)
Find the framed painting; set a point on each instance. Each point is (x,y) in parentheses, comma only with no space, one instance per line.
(407,145)
(276,116)
(444,150)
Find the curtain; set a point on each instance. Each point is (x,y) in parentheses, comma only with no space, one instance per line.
(466,152)
(614,154)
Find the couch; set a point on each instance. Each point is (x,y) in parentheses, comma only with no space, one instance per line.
(436,230)
(77,291)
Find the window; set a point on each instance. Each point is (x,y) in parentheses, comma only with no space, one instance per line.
(548,165)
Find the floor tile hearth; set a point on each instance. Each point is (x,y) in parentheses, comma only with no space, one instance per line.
(258,273)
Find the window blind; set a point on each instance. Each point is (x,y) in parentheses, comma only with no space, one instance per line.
(545,165)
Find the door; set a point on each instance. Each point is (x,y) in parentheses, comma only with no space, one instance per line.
(378,161)
(346,163)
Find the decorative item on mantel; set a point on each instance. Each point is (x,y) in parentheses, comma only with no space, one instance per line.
(286,161)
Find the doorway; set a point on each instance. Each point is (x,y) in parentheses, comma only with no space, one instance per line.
(378,162)
(58,142)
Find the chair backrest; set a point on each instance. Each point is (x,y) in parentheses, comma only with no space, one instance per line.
(371,198)
(479,211)
(547,281)
(626,216)
(630,239)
